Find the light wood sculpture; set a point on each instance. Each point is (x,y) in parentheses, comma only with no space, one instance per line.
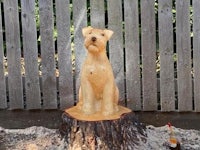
(98,93)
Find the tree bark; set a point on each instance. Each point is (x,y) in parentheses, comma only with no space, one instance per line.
(124,133)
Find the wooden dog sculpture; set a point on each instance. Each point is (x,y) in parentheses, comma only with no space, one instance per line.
(98,91)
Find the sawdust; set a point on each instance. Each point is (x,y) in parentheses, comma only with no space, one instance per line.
(40,138)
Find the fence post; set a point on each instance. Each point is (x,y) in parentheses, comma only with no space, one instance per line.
(48,55)
(3,101)
(167,93)
(196,54)
(132,51)
(79,21)
(184,55)
(32,86)
(148,55)
(116,50)
(66,92)
(13,52)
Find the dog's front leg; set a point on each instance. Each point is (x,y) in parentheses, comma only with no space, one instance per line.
(87,97)
(108,99)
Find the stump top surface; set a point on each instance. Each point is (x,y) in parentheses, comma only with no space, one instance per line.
(76,113)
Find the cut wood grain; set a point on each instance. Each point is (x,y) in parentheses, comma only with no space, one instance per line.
(32,86)
(184,55)
(196,53)
(13,51)
(148,36)
(167,90)
(64,54)
(133,84)
(48,55)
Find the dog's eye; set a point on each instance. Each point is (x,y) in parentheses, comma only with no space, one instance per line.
(102,34)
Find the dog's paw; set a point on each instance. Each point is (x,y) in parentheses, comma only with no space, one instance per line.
(87,109)
(107,113)
(116,108)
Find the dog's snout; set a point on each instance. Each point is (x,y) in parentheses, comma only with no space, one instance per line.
(94,39)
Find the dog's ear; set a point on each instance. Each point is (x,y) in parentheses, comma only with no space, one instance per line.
(86,30)
(108,33)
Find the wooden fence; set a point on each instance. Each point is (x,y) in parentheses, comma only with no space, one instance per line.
(154,52)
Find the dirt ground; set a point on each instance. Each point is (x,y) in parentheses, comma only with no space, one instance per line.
(38,130)
(41,138)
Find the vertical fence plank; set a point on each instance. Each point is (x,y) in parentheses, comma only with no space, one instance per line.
(148,55)
(32,87)
(3,103)
(13,54)
(64,54)
(184,55)
(97,14)
(47,54)
(79,21)
(196,53)
(116,53)
(166,56)
(133,87)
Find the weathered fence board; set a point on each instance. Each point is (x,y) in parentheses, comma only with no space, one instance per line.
(3,103)
(133,84)
(30,50)
(64,54)
(148,55)
(79,21)
(97,13)
(196,54)
(184,55)
(167,90)
(48,55)
(116,51)
(13,52)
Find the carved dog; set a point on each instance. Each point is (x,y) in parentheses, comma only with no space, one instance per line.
(98,91)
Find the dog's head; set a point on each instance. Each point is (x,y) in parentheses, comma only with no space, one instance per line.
(96,39)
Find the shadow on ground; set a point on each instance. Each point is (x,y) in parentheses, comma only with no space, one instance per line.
(19,119)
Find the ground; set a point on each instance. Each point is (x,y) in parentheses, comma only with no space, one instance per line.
(33,138)
(20,130)
(41,138)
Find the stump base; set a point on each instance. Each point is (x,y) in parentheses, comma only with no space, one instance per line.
(123,133)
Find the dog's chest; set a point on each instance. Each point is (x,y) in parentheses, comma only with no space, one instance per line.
(97,74)
(96,70)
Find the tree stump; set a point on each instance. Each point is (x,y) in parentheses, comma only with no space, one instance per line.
(124,133)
